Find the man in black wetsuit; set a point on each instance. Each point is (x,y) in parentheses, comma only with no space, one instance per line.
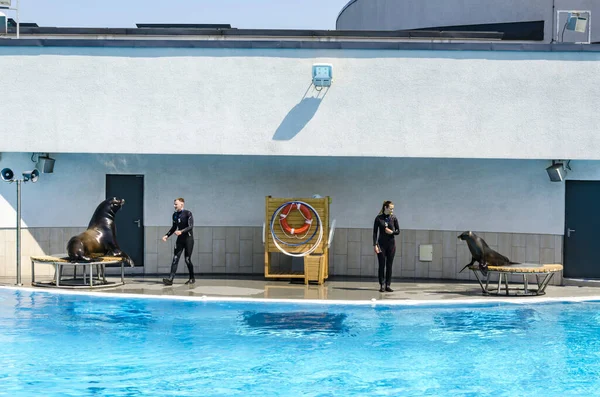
(183,225)
(385,228)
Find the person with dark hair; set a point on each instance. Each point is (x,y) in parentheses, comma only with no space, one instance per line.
(183,225)
(384,230)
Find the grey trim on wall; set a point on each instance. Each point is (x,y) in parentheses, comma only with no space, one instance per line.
(300,44)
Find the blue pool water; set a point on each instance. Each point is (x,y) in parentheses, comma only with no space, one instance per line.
(75,345)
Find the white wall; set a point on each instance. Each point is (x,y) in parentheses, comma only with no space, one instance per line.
(430,194)
(447,104)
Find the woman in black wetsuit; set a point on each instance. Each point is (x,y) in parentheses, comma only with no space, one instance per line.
(384,230)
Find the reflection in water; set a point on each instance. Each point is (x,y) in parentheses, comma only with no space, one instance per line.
(490,322)
(303,322)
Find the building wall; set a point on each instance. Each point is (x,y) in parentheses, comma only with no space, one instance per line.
(407,14)
(383,103)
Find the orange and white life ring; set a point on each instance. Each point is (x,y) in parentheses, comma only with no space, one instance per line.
(305,213)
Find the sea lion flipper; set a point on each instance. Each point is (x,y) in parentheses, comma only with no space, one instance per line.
(127,259)
(468,264)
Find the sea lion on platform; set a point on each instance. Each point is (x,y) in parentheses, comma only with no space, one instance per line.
(482,253)
(100,238)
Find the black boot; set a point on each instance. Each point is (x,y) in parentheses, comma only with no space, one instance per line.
(167,281)
(191,281)
(381,288)
(388,289)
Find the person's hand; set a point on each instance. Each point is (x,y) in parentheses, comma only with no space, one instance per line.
(164,238)
(178,232)
(388,230)
(377,250)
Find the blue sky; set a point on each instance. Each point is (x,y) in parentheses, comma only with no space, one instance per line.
(243,14)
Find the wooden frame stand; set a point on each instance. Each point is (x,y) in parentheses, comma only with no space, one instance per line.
(316,264)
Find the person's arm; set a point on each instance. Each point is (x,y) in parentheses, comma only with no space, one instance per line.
(172,230)
(396,227)
(375,229)
(190,222)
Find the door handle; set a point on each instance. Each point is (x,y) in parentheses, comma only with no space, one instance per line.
(139,221)
(569,232)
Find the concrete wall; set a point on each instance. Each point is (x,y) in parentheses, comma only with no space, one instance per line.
(409,14)
(434,104)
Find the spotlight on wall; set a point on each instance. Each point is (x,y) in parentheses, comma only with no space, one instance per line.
(44,163)
(322,75)
(577,22)
(556,171)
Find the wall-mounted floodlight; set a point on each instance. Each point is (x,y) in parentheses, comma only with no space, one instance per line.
(577,22)
(557,171)
(8,175)
(44,163)
(322,75)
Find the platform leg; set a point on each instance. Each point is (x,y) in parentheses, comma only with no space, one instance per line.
(487,281)
(483,289)
(545,282)
(499,283)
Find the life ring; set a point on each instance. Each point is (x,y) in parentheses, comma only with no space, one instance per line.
(305,213)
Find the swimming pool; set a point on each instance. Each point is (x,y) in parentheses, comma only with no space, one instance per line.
(61,344)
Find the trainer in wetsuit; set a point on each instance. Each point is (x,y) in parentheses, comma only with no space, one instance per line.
(384,230)
(183,225)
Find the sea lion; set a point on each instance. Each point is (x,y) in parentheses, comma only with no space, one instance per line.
(482,253)
(100,238)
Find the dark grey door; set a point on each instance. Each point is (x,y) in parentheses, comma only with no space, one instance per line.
(582,229)
(129,219)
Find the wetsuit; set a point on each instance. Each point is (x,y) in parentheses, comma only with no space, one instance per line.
(184,222)
(387,245)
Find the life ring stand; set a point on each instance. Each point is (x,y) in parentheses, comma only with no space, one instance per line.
(306,213)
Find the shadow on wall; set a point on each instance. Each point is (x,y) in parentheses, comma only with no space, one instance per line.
(300,115)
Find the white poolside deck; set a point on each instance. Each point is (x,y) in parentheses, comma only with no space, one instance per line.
(407,291)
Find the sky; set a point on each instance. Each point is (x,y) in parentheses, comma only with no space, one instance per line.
(242,14)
